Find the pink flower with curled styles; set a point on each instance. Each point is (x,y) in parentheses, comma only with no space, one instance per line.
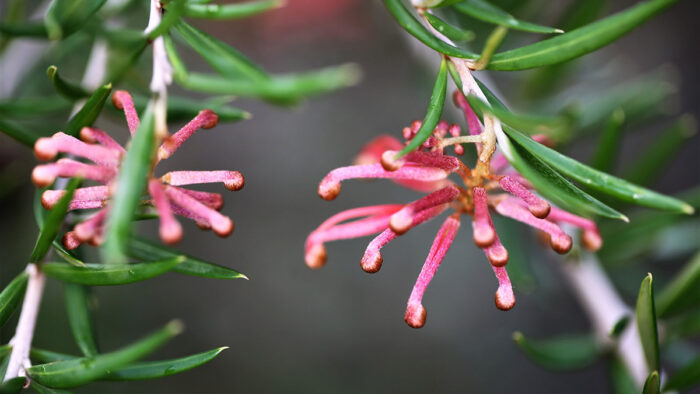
(105,155)
(494,187)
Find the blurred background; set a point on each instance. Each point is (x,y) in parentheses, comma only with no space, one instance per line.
(338,329)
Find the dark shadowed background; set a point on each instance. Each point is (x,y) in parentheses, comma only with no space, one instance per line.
(339,330)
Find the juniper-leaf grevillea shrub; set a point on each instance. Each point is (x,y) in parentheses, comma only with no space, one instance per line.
(517,171)
(93,188)
(496,167)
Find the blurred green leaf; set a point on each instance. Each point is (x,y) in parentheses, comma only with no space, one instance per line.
(551,126)
(646,323)
(46,390)
(286,88)
(487,12)
(41,356)
(432,114)
(163,368)
(142,249)
(416,29)
(560,354)
(622,382)
(652,385)
(13,385)
(18,29)
(454,33)
(651,162)
(64,17)
(133,175)
(66,255)
(53,222)
(80,317)
(686,378)
(76,372)
(684,326)
(181,108)
(231,11)
(620,326)
(580,41)
(12,296)
(605,156)
(63,87)
(109,274)
(179,69)
(493,42)
(600,181)
(19,133)
(226,60)
(89,112)
(682,293)
(33,106)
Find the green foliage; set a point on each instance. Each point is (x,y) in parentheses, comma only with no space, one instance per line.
(487,12)
(89,112)
(646,323)
(109,274)
(80,317)
(11,297)
(53,223)
(560,354)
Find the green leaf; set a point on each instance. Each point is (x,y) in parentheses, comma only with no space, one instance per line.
(560,354)
(80,317)
(552,126)
(686,378)
(76,372)
(454,33)
(179,69)
(109,274)
(46,390)
(66,255)
(646,323)
(600,181)
(53,222)
(181,108)
(578,42)
(433,113)
(487,12)
(652,385)
(13,385)
(42,356)
(605,157)
(11,296)
(65,88)
(231,11)
(416,29)
(620,326)
(19,133)
(142,249)
(555,187)
(170,17)
(653,160)
(89,112)
(132,178)
(162,368)
(286,88)
(682,293)
(226,60)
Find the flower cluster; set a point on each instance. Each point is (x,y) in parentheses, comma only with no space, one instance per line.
(490,187)
(105,154)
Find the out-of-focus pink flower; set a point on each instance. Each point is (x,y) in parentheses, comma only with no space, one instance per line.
(501,189)
(166,193)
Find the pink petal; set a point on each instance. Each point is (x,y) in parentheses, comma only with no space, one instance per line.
(456,131)
(402,220)
(590,238)
(85,197)
(232,180)
(329,188)
(48,148)
(92,135)
(206,119)
(505,299)
(212,200)
(415,312)
(560,241)
(169,229)
(537,206)
(484,232)
(86,230)
(471,118)
(122,100)
(428,159)
(372,259)
(44,175)
(371,153)
(222,225)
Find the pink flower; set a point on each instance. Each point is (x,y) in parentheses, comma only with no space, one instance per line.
(498,189)
(105,154)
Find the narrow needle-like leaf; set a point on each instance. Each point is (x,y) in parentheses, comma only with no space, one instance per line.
(487,12)
(80,317)
(11,296)
(65,88)
(560,354)
(89,112)
(231,11)
(683,292)
(109,274)
(53,222)
(646,323)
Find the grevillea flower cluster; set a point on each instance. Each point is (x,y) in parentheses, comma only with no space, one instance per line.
(105,154)
(490,186)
